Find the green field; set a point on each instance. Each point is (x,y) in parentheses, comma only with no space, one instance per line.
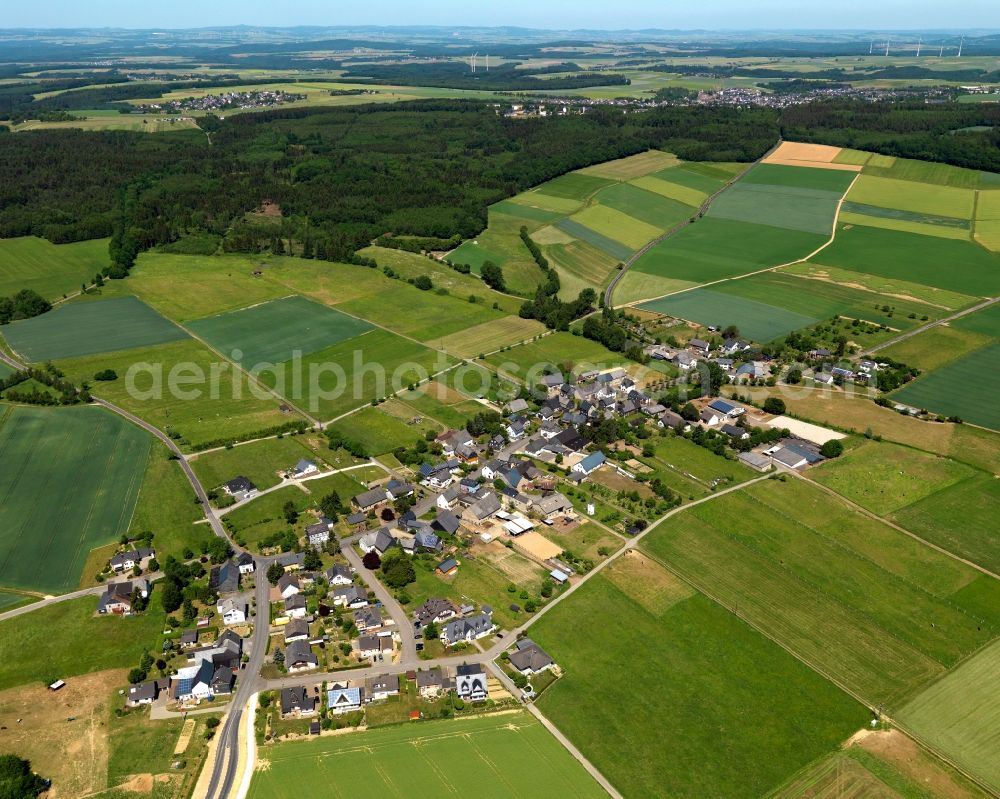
(89,328)
(233,411)
(879,612)
(827,180)
(987,224)
(68,638)
(69,483)
(259,460)
(960,714)
(632,166)
(985,322)
(488,756)
(966,388)
(379,432)
(884,477)
(808,210)
(488,336)
(937,347)
(917,198)
(557,349)
(275,331)
(925,172)
(645,206)
(757,321)
(713,249)
(612,247)
(737,715)
(349,374)
(616,225)
(574,186)
(952,265)
(50,269)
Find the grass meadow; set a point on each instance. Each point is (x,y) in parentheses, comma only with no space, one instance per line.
(557,349)
(52,270)
(797,564)
(233,412)
(737,714)
(379,431)
(960,714)
(487,756)
(67,639)
(69,483)
(90,328)
(259,460)
(918,198)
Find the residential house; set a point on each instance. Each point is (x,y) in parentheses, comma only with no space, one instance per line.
(684,360)
(735,432)
(397,489)
(338,574)
(351,596)
(710,417)
(291,561)
(493,469)
(700,346)
(368,619)
(517,406)
(240,487)
(296,630)
(117,598)
(318,534)
(145,693)
(483,509)
(468,629)
(344,700)
(245,563)
(470,682)
(530,658)
(296,702)
(133,558)
(379,541)
(447,498)
(515,426)
(373,646)
(430,683)
(370,500)
(732,346)
(356,520)
(299,657)
(382,687)
(288,585)
(571,440)
(231,611)
(427,540)
(552,383)
(303,469)
(439,479)
(225,578)
(589,464)
(188,639)
(447,567)
(674,421)
(553,505)
(435,610)
(295,606)
(446,522)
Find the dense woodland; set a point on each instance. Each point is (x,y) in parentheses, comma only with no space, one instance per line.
(502,78)
(342,177)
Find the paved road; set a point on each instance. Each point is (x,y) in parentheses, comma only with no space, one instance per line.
(227,752)
(929,325)
(408,645)
(96,590)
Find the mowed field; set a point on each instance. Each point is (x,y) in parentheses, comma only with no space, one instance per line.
(960,714)
(736,715)
(274,331)
(491,756)
(799,562)
(89,328)
(50,269)
(69,483)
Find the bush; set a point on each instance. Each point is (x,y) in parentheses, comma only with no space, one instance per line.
(832,449)
(106,375)
(774,405)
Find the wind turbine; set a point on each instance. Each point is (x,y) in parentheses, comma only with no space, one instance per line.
(919,42)
(887,46)
(961,42)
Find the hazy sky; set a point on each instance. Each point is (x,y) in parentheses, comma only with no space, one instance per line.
(787,14)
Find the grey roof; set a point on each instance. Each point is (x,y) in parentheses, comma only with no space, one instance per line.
(295,602)
(435,608)
(292,559)
(517,405)
(300,652)
(338,570)
(486,507)
(351,593)
(367,617)
(296,698)
(530,655)
(385,683)
(447,521)
(238,484)
(367,499)
(471,626)
(134,555)
(225,578)
(431,678)
(145,691)
(296,628)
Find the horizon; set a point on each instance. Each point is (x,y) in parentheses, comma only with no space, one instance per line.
(726,16)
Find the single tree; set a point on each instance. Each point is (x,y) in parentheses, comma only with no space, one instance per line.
(274,573)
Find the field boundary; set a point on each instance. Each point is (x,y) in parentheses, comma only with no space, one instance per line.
(803,259)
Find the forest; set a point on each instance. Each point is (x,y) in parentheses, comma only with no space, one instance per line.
(502,78)
(341,176)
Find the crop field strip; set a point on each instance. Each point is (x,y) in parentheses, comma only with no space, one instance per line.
(508,755)
(987,224)
(90,328)
(777,578)
(70,483)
